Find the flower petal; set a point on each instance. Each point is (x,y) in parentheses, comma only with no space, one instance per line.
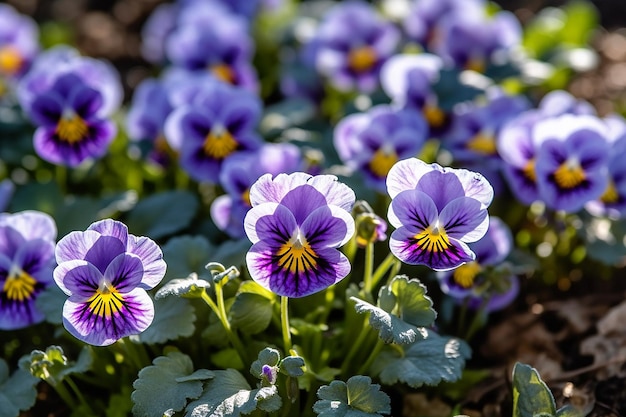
(31,224)
(270,222)
(412,208)
(77,277)
(151,257)
(34,256)
(328,226)
(91,246)
(124,272)
(110,227)
(464,219)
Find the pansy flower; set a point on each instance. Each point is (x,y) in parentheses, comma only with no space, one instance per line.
(353,43)
(373,142)
(70,130)
(296,224)
(572,160)
(612,202)
(240,172)
(476,282)
(19,44)
(436,211)
(106,271)
(217,123)
(26,263)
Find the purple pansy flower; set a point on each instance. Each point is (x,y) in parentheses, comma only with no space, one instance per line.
(296,224)
(156,29)
(26,263)
(373,142)
(353,43)
(436,211)
(470,281)
(19,44)
(210,38)
(572,160)
(240,172)
(612,202)
(217,123)
(62,60)
(70,130)
(106,271)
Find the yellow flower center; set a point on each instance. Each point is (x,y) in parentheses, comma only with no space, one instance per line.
(10,60)
(106,301)
(382,161)
(19,285)
(245,196)
(297,255)
(475,64)
(219,143)
(434,115)
(72,129)
(483,143)
(223,72)
(433,239)
(465,274)
(610,194)
(529,170)
(362,59)
(569,174)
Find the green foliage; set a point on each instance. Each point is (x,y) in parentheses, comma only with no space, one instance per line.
(167,384)
(251,313)
(53,366)
(190,287)
(17,392)
(173,318)
(186,255)
(356,398)
(427,361)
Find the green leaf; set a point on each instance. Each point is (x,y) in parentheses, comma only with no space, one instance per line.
(254,288)
(186,255)
(390,328)
(424,362)
(50,302)
(162,214)
(251,313)
(232,252)
(227,358)
(173,318)
(412,304)
(268,356)
(356,398)
(570,411)
(292,366)
(52,365)
(17,392)
(531,395)
(167,384)
(190,287)
(229,394)
(581,19)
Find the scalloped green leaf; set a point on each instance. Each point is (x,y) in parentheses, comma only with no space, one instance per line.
(356,398)
(173,318)
(251,313)
(186,255)
(268,356)
(292,366)
(190,287)
(162,214)
(17,392)
(167,384)
(424,362)
(391,329)
(412,304)
(531,396)
(229,394)
(50,302)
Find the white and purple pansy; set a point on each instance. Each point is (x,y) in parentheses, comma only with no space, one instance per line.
(106,271)
(436,211)
(296,224)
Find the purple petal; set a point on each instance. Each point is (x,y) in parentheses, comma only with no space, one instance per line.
(46,110)
(105,320)
(34,256)
(78,278)
(405,175)
(85,101)
(270,222)
(113,228)
(441,187)
(405,245)
(302,201)
(124,272)
(330,267)
(464,219)
(31,224)
(151,257)
(414,209)
(75,245)
(61,271)
(328,226)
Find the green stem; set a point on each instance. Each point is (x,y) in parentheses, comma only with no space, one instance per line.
(370,359)
(355,348)
(284,318)
(220,310)
(78,394)
(369,266)
(65,395)
(382,269)
(478,320)
(328,304)
(61,177)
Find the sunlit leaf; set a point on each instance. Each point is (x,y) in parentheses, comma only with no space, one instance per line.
(356,398)
(173,318)
(17,392)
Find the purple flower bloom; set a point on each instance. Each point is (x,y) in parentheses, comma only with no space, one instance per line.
(353,43)
(217,123)
(70,130)
(240,172)
(106,271)
(19,43)
(62,60)
(209,38)
(296,224)
(572,160)
(26,263)
(373,142)
(158,26)
(474,280)
(436,211)
(612,202)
